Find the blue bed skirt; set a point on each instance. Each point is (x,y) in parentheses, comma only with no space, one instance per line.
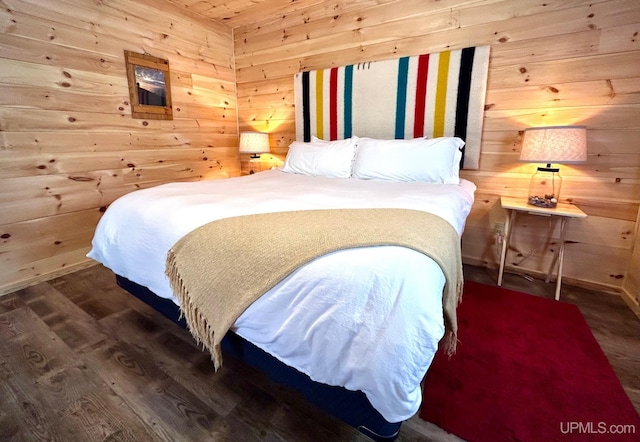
(352,407)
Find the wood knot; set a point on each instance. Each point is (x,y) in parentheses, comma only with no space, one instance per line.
(71,119)
(66,74)
(523,70)
(145,123)
(5,236)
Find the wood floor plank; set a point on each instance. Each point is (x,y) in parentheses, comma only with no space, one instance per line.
(25,418)
(81,359)
(10,302)
(42,379)
(102,415)
(176,354)
(165,405)
(296,425)
(231,428)
(23,415)
(71,323)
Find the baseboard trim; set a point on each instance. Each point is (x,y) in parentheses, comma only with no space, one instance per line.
(631,301)
(19,285)
(590,285)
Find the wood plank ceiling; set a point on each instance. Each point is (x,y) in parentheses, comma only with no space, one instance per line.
(236,13)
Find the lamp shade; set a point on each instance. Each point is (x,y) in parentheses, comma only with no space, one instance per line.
(554,144)
(254,142)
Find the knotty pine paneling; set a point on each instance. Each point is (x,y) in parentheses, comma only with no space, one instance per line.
(68,145)
(552,63)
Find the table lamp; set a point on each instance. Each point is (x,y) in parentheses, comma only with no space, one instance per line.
(552,144)
(254,143)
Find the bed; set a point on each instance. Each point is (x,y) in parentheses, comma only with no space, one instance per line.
(354,330)
(355,327)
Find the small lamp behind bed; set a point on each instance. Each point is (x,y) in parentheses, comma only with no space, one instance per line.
(553,144)
(254,143)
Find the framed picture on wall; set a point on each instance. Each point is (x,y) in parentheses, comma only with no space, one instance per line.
(149,86)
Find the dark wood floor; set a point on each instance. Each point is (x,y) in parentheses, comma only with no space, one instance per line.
(82,360)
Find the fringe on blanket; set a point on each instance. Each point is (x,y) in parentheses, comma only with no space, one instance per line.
(197,323)
(450,338)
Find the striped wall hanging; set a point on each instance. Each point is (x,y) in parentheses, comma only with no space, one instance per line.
(430,95)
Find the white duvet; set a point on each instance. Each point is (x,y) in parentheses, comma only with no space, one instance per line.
(365,319)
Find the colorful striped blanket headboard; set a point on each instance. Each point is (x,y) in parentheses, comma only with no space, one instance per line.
(432,95)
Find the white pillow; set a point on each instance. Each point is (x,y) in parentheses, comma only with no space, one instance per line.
(435,160)
(332,159)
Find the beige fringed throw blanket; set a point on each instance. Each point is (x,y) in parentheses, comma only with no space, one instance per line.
(219,269)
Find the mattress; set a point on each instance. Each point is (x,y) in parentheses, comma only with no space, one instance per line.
(366,319)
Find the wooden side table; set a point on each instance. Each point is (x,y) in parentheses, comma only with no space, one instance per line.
(563,212)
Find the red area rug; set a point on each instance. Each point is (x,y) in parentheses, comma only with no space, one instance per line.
(526,369)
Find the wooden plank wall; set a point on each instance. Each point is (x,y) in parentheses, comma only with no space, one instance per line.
(68,145)
(552,63)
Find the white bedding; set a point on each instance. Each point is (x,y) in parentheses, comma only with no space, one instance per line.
(377,330)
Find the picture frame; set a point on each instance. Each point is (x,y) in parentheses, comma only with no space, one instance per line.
(149,86)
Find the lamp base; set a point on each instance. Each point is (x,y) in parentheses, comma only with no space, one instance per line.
(544,189)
